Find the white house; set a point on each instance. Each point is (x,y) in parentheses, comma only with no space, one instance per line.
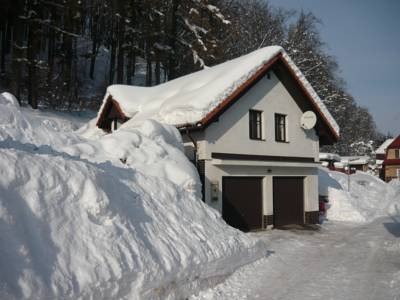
(240,123)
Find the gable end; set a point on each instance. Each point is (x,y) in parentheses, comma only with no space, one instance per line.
(305,101)
(110,112)
(295,88)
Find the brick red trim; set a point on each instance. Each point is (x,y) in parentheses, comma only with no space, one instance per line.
(252,157)
(390,162)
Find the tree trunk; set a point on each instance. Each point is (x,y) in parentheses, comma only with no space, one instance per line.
(4,30)
(121,42)
(112,61)
(158,71)
(130,67)
(149,71)
(67,45)
(17,51)
(33,49)
(172,39)
(93,56)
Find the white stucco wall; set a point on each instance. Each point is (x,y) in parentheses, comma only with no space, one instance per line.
(231,133)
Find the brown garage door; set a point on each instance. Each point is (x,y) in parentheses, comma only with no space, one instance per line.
(242,202)
(288,200)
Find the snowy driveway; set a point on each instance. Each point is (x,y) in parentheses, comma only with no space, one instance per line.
(340,261)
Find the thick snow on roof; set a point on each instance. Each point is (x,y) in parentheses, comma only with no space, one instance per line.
(339,165)
(382,148)
(188,99)
(329,156)
(355,160)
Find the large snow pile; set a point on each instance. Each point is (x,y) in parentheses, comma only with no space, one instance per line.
(22,126)
(368,198)
(112,218)
(188,99)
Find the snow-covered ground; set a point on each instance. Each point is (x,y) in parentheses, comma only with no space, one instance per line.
(355,254)
(85,215)
(346,261)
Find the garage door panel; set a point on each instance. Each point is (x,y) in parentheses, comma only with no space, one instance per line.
(242,202)
(288,194)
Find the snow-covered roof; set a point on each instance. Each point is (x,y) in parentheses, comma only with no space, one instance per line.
(329,156)
(189,99)
(382,148)
(355,160)
(339,165)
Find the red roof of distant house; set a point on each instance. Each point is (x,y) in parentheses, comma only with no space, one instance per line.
(391,162)
(395,144)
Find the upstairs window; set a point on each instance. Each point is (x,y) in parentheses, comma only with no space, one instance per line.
(255,124)
(280,128)
(397,153)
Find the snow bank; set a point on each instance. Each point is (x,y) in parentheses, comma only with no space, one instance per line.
(25,126)
(114,217)
(368,198)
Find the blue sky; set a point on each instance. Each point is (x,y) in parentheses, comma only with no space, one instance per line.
(364,36)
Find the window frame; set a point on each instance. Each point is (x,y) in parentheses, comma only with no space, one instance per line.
(278,125)
(257,117)
(397,153)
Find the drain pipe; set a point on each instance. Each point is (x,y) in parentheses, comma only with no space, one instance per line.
(194,144)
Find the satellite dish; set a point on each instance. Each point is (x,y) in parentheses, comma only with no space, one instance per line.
(308,120)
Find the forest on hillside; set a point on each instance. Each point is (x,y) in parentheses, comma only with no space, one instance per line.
(63,54)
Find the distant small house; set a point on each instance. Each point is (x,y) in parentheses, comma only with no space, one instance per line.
(380,153)
(340,167)
(391,162)
(359,163)
(252,126)
(345,164)
(329,159)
